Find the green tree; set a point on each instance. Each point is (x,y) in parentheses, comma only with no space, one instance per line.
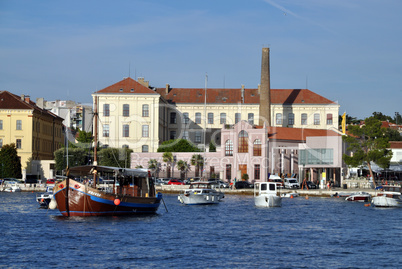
(177,145)
(244,177)
(198,161)
(10,162)
(393,135)
(76,157)
(167,157)
(381,117)
(84,137)
(368,143)
(115,157)
(212,147)
(183,167)
(154,166)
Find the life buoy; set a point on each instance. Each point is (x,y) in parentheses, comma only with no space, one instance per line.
(76,186)
(61,186)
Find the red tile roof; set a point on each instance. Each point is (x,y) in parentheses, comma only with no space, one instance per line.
(127,85)
(395,144)
(11,101)
(297,134)
(234,96)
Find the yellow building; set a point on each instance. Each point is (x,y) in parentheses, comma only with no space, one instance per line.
(36,132)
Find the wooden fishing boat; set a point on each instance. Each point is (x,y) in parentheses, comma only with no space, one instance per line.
(131,193)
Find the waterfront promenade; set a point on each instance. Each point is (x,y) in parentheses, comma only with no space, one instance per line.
(178,188)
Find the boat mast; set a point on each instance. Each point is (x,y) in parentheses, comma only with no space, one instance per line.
(95,139)
(205,126)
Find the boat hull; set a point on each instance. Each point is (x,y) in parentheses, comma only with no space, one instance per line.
(359,197)
(383,201)
(84,200)
(200,199)
(268,200)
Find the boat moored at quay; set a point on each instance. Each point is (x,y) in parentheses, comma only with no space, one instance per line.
(131,192)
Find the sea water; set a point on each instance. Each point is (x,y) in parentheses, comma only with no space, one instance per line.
(303,233)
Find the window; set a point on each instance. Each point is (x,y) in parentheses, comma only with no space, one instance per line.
(257,171)
(145,148)
(126,110)
(19,125)
(185,135)
(173,118)
(145,110)
(251,118)
(229,148)
(172,135)
(210,118)
(145,130)
(1,143)
(316,119)
(198,118)
(126,130)
(278,118)
(316,156)
(197,137)
(257,147)
(329,119)
(18,143)
(237,117)
(291,119)
(1,124)
(228,171)
(106,110)
(223,118)
(106,130)
(243,142)
(304,119)
(185,118)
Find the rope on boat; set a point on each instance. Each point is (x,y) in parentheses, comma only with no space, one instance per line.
(164,205)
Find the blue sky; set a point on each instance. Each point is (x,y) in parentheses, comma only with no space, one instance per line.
(348,51)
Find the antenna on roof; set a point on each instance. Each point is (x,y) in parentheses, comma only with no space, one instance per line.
(306,82)
(224,78)
(129,68)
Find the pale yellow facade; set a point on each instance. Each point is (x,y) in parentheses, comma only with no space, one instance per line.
(36,135)
(141,129)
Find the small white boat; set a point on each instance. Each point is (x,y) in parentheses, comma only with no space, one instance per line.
(11,186)
(44,198)
(360,196)
(201,193)
(290,195)
(265,195)
(390,196)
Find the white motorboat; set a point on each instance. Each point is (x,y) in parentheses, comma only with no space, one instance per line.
(360,196)
(290,195)
(390,196)
(201,193)
(265,195)
(11,186)
(44,198)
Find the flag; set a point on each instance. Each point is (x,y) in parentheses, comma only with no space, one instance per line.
(344,123)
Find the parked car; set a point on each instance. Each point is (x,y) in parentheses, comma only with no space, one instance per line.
(192,180)
(219,182)
(243,185)
(311,185)
(50,181)
(164,181)
(158,182)
(174,181)
(291,183)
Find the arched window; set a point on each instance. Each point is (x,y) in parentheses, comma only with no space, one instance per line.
(278,118)
(243,142)
(304,119)
(291,119)
(257,147)
(229,148)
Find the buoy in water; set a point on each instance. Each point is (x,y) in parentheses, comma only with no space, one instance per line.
(306,197)
(366,204)
(116,201)
(291,196)
(52,204)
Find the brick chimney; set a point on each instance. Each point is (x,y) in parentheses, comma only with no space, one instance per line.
(167,88)
(265,95)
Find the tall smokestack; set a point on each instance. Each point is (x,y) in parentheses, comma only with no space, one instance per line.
(265,95)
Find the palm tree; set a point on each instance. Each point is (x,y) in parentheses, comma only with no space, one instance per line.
(154,166)
(183,167)
(168,158)
(198,161)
